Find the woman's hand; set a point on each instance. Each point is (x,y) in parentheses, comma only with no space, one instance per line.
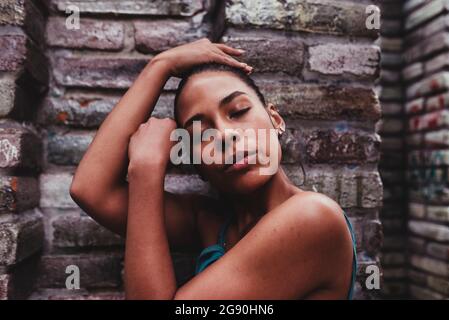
(180,59)
(149,146)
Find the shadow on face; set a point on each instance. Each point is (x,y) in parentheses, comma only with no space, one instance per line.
(241,150)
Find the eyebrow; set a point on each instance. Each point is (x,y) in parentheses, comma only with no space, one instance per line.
(222,102)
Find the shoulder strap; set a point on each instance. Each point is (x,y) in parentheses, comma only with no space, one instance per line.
(354,263)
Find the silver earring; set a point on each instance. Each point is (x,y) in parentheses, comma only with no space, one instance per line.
(281,131)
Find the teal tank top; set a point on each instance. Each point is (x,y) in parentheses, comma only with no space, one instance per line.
(214,252)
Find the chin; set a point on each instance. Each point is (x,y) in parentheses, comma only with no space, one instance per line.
(243,183)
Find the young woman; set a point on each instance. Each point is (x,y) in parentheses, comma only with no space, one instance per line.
(264,238)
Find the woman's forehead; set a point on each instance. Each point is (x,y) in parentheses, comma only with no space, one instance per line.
(210,88)
(212,85)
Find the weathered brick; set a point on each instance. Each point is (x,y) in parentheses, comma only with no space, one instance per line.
(68,148)
(97,72)
(341,59)
(411,5)
(427,47)
(437,63)
(23,13)
(15,101)
(20,236)
(160,35)
(20,147)
(343,145)
(429,230)
(55,190)
(438,250)
(92,34)
(433,266)
(413,71)
(321,102)
(81,294)
(19,281)
(135,7)
(321,16)
(18,194)
(19,54)
(350,188)
(427,30)
(371,190)
(421,293)
(372,237)
(414,106)
(429,121)
(431,84)
(435,283)
(425,13)
(89,112)
(288,56)
(99,270)
(77,231)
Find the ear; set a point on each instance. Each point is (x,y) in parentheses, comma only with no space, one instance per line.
(276,119)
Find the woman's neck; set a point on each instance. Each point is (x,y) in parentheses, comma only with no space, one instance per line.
(249,208)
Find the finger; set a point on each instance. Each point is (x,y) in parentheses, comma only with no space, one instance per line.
(224,58)
(229,50)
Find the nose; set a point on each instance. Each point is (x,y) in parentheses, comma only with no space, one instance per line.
(228,137)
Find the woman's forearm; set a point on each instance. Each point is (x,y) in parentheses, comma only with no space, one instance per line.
(149,270)
(105,161)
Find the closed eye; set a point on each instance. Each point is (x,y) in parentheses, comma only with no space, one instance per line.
(239,113)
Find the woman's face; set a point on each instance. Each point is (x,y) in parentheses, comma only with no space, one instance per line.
(231,110)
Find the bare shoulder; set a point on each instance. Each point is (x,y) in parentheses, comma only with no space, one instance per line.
(312,207)
(314,226)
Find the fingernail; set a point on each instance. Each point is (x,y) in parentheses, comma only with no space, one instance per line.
(241,50)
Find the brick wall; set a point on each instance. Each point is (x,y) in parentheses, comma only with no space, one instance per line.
(393,157)
(426,77)
(23,81)
(315,60)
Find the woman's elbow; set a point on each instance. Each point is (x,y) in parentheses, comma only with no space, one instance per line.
(79,193)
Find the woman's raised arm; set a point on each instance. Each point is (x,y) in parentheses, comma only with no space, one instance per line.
(99,185)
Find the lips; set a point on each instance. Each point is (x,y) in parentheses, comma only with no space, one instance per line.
(241,164)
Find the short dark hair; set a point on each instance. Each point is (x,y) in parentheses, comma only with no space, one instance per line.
(214,66)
